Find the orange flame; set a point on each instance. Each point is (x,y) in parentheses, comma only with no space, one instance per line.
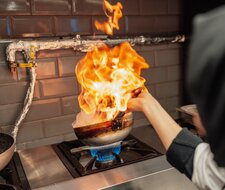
(113,17)
(107,77)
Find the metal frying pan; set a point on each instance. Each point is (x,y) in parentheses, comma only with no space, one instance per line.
(7,147)
(107,132)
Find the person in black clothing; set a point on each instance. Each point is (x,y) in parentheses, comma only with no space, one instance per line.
(203,163)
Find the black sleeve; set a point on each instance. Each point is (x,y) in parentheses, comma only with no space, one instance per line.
(180,154)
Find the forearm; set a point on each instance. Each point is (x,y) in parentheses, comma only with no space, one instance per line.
(179,143)
(165,126)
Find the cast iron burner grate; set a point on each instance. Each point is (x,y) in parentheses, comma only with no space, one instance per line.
(84,162)
(13,174)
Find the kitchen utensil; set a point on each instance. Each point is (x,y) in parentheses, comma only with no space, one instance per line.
(7,147)
(188,109)
(187,112)
(106,132)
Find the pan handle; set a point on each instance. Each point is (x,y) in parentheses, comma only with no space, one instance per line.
(117,124)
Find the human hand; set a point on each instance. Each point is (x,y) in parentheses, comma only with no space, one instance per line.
(140,102)
(164,125)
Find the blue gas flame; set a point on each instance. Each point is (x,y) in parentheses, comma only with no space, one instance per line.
(107,154)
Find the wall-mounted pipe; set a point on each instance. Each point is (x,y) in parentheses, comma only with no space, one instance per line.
(82,45)
(27,102)
(30,58)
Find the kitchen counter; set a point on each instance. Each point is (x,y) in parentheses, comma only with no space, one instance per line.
(169,179)
(45,171)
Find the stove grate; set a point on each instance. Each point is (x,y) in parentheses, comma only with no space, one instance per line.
(81,163)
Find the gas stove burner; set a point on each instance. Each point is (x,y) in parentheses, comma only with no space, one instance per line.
(106,155)
(81,160)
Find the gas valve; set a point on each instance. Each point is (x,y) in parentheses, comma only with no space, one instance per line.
(30,57)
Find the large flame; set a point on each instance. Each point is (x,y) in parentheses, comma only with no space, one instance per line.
(107,77)
(114,13)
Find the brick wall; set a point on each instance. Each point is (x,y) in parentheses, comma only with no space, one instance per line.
(55,100)
(43,18)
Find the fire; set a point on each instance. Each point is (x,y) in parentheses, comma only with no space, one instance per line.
(107,77)
(114,15)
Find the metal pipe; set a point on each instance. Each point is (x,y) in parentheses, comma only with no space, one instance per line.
(27,102)
(82,45)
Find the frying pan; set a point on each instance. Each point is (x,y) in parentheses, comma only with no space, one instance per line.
(106,132)
(7,147)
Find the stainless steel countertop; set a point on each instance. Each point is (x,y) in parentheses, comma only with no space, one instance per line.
(45,171)
(169,179)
